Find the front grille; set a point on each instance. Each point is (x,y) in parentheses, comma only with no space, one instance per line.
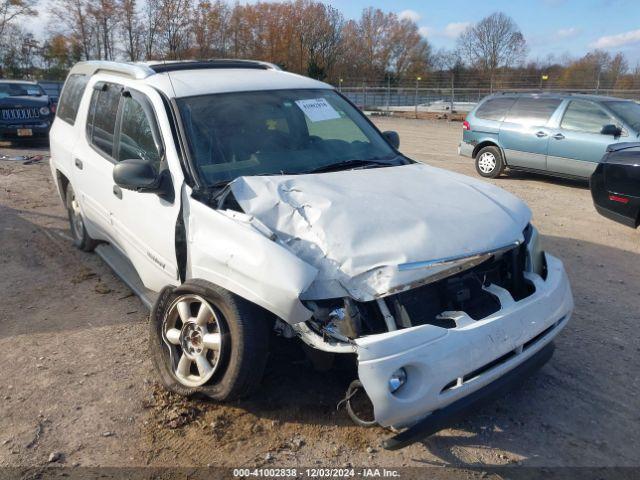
(13,114)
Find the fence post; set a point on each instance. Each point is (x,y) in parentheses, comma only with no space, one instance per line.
(388,92)
(416,96)
(364,94)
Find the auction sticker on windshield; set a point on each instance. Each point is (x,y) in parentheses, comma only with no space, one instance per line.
(317,109)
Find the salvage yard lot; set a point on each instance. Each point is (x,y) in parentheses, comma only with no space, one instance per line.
(76,378)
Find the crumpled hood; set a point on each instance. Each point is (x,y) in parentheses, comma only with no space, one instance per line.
(358,226)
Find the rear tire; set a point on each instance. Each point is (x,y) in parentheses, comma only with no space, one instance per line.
(81,238)
(206,340)
(489,162)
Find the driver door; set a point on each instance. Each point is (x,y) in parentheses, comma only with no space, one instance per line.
(144,222)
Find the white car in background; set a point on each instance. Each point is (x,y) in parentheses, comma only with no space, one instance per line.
(236,200)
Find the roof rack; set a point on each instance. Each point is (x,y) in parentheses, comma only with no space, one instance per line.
(140,70)
(218,63)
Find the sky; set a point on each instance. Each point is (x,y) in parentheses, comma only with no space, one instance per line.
(549,26)
(556,27)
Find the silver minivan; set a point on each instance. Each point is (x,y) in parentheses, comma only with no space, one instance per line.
(558,134)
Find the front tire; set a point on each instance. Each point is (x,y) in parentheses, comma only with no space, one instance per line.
(81,238)
(489,162)
(206,340)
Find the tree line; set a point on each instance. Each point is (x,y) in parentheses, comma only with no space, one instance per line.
(303,36)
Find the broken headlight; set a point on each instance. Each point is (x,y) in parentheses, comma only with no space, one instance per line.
(535,253)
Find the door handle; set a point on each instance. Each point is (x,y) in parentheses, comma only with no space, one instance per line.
(558,136)
(541,134)
(117,191)
(78,163)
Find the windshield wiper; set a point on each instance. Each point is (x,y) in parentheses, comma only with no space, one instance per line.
(333,167)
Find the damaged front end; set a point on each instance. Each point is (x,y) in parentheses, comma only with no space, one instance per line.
(434,312)
(425,348)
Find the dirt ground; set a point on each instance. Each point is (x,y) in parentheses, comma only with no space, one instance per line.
(77,386)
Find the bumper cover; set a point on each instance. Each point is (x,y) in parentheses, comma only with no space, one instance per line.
(465,149)
(459,409)
(10,130)
(446,365)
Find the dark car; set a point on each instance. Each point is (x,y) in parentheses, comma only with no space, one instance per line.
(52,89)
(615,184)
(25,110)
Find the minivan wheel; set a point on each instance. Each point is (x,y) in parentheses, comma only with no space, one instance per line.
(489,163)
(206,340)
(81,238)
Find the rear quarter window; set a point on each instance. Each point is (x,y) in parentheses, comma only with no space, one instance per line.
(495,109)
(533,111)
(70,99)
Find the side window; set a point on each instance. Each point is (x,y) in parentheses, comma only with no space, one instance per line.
(495,109)
(585,117)
(136,134)
(103,112)
(533,111)
(70,98)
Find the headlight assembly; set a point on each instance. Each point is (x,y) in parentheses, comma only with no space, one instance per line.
(535,253)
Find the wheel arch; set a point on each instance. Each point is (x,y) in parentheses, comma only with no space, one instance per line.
(61,183)
(488,143)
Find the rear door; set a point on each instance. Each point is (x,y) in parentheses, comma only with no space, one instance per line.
(524,135)
(576,146)
(144,222)
(93,160)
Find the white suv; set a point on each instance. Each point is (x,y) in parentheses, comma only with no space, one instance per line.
(238,200)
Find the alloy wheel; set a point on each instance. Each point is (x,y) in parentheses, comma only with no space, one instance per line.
(192,331)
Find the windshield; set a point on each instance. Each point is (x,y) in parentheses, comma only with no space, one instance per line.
(276,132)
(629,112)
(20,90)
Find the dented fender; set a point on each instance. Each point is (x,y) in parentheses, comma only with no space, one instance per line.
(229,250)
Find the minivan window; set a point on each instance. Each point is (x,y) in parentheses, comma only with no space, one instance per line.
(495,109)
(585,117)
(532,111)
(136,135)
(102,117)
(276,132)
(629,112)
(70,98)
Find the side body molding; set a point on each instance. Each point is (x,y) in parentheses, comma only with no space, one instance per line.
(226,249)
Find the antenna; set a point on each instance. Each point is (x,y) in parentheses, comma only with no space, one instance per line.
(164,62)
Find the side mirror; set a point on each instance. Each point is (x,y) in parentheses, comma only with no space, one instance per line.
(393,138)
(613,130)
(137,174)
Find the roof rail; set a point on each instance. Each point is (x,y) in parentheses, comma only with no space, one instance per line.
(216,63)
(133,70)
(140,70)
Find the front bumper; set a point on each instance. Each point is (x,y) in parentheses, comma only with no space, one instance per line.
(10,130)
(446,365)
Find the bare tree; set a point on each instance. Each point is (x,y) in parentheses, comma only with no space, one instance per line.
(494,42)
(11,10)
(73,21)
(131,29)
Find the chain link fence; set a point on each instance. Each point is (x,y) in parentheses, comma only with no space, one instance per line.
(418,98)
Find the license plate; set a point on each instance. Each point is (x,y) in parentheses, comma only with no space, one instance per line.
(25,132)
